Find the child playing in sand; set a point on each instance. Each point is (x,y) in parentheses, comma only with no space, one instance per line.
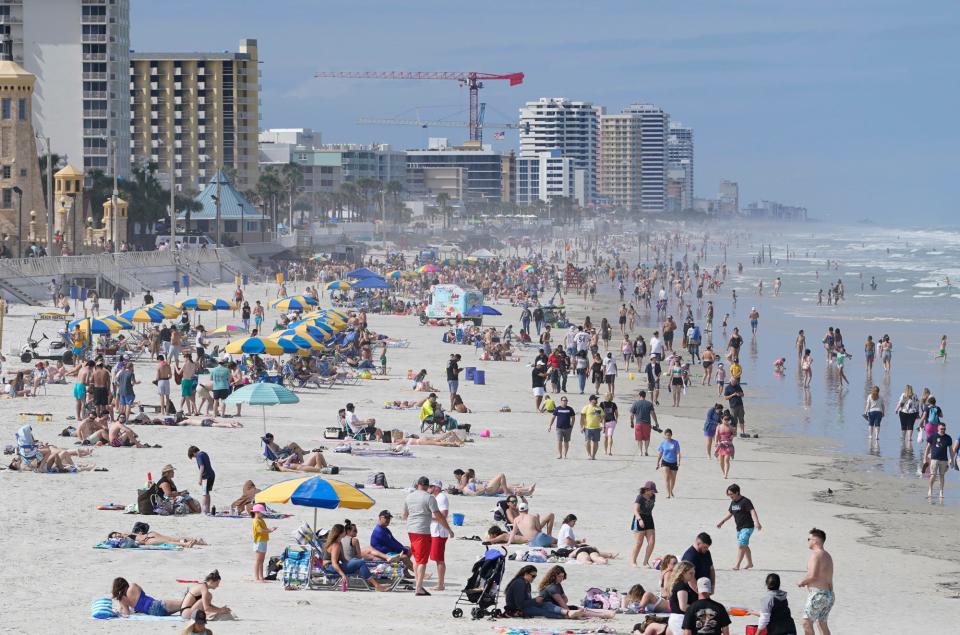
(261,535)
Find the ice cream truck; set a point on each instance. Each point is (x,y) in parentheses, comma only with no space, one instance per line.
(451,302)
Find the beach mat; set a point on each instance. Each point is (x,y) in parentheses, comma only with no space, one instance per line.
(164,547)
(541,630)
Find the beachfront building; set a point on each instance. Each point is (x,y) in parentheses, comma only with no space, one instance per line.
(680,157)
(22,208)
(196,113)
(79,51)
(776,211)
(633,158)
(547,176)
(571,127)
(470,173)
(240,221)
(729,198)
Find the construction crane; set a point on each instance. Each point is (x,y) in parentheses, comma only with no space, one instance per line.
(440,123)
(471,79)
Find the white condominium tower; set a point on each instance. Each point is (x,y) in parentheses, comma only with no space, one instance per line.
(556,123)
(680,154)
(633,157)
(80,51)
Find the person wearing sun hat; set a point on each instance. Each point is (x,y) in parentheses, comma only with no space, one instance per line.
(261,536)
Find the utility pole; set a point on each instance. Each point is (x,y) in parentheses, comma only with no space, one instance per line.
(49,198)
(383,219)
(219,177)
(114,213)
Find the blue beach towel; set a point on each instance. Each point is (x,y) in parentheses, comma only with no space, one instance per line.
(117,544)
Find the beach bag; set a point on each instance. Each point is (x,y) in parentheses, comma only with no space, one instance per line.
(102,609)
(177,376)
(274,565)
(146,500)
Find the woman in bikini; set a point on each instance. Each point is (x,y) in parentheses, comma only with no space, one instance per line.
(725,449)
(806,367)
(199,596)
(707,358)
(313,462)
(449,439)
(153,538)
(468,485)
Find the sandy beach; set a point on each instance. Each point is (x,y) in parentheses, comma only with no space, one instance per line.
(892,571)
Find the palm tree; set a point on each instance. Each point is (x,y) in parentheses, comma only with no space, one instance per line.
(442,200)
(350,194)
(269,189)
(393,189)
(292,176)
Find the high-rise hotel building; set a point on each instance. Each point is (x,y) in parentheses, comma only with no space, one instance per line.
(633,157)
(199,111)
(553,124)
(79,52)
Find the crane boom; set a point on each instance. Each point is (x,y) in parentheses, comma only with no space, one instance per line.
(472,79)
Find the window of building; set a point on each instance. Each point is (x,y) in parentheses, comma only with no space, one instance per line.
(230,226)
(6,171)
(5,108)
(7,197)
(22,109)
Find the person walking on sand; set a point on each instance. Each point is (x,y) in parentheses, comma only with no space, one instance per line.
(754,319)
(610,416)
(941,453)
(642,524)
(563,416)
(668,458)
(745,518)
(801,345)
(819,583)
(207,475)
(261,535)
(726,433)
(642,413)
(591,425)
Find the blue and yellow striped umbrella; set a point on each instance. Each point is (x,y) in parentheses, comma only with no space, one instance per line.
(95,326)
(316,491)
(260,346)
(143,314)
(168,311)
(314,323)
(219,304)
(119,321)
(300,338)
(294,303)
(339,285)
(196,304)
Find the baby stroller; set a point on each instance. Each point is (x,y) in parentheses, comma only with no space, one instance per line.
(483,585)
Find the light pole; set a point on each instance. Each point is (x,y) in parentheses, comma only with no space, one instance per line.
(242,228)
(19,193)
(46,140)
(217,200)
(114,213)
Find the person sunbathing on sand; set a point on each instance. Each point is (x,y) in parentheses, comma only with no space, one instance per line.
(244,504)
(289,450)
(468,485)
(131,599)
(153,538)
(313,462)
(122,436)
(448,439)
(405,404)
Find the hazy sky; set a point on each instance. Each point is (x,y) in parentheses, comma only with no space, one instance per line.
(849,108)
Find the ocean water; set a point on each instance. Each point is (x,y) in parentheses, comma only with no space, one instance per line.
(913,304)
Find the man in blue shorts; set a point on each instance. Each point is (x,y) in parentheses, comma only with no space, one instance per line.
(745,518)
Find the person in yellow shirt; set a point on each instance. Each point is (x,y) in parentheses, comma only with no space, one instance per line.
(261,535)
(591,423)
(736,370)
(427,409)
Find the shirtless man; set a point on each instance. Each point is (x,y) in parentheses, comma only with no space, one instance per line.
(819,583)
(93,429)
(188,385)
(101,388)
(84,375)
(122,436)
(536,531)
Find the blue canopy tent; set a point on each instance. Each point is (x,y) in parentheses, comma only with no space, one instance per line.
(482,309)
(361,273)
(372,283)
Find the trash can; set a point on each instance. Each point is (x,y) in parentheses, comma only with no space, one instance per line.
(468,373)
(479,377)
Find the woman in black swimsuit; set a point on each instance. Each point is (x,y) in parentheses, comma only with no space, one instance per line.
(199,597)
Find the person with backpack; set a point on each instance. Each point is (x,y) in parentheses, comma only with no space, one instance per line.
(774,613)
